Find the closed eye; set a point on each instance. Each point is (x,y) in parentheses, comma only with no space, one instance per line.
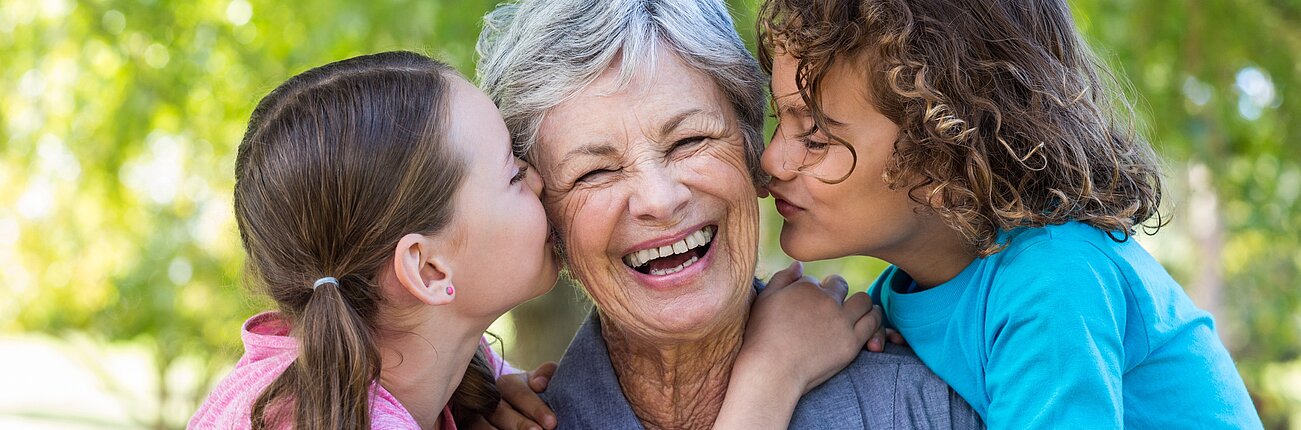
(810,142)
(688,142)
(593,175)
(813,145)
(520,175)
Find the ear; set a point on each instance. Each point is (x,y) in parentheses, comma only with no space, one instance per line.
(422,270)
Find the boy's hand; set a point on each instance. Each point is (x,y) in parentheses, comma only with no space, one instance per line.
(801,332)
(808,329)
(521,408)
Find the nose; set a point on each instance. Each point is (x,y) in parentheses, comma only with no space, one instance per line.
(773,158)
(658,195)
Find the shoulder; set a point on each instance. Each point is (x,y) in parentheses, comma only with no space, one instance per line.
(1048,262)
(1056,241)
(268,351)
(899,369)
(1066,281)
(387,413)
(585,391)
(884,387)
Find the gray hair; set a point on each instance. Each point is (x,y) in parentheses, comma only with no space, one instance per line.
(536,54)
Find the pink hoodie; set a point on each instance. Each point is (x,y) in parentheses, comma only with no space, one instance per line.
(268,351)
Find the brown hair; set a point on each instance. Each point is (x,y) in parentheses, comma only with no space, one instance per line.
(1006,118)
(338,163)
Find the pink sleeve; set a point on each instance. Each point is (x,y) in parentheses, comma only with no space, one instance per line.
(499,366)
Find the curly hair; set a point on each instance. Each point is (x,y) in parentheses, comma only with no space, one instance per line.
(1006,118)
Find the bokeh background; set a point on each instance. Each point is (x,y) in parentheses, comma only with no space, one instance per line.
(120,268)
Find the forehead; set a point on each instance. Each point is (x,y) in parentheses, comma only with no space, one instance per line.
(844,86)
(784,91)
(612,105)
(474,123)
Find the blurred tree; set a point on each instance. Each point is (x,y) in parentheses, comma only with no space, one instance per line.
(120,120)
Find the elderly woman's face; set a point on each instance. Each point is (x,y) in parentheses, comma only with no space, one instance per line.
(648,186)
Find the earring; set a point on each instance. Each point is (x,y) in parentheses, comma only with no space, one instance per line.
(451,290)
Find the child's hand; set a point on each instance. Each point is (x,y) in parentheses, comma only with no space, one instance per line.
(520,406)
(876,343)
(894,337)
(800,327)
(801,333)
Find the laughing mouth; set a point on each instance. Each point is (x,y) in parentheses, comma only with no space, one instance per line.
(672,258)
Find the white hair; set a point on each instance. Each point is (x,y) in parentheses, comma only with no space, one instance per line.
(536,54)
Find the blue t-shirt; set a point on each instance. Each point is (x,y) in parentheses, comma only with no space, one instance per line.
(1067,328)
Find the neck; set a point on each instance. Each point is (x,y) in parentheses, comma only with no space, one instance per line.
(677,384)
(423,365)
(932,256)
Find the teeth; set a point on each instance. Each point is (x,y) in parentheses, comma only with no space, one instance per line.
(694,240)
(647,255)
(684,265)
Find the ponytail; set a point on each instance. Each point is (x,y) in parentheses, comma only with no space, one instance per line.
(330,381)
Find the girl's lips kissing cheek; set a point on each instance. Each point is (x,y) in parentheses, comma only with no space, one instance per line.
(665,266)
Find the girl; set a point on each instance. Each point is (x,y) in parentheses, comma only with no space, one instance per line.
(382,210)
(972,144)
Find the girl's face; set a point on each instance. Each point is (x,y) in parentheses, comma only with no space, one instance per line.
(504,256)
(859,216)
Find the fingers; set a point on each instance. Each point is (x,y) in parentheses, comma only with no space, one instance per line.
(520,398)
(857,305)
(876,343)
(864,329)
(541,377)
(785,276)
(836,287)
(506,417)
(868,329)
(895,337)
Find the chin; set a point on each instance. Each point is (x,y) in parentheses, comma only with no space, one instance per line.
(687,320)
(801,246)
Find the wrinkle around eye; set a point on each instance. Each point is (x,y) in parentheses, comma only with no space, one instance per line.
(699,147)
(587,181)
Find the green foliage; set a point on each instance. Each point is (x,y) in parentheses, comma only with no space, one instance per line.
(120,120)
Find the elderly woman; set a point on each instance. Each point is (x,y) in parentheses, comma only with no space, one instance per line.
(645,119)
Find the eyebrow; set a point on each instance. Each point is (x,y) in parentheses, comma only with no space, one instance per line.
(802,110)
(793,109)
(591,149)
(677,119)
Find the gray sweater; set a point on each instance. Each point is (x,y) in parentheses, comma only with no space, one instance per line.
(889,390)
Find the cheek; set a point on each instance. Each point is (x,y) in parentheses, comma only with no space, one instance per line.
(532,213)
(726,182)
(721,166)
(585,221)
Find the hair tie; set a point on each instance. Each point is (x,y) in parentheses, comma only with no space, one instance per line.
(325,280)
